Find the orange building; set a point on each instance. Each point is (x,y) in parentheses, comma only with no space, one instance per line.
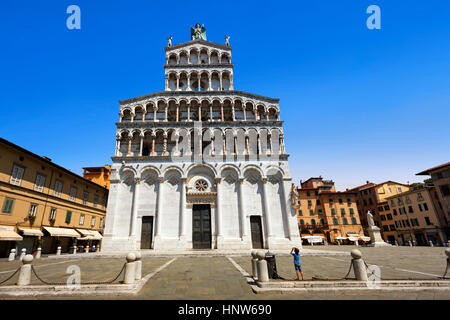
(322,211)
(98,175)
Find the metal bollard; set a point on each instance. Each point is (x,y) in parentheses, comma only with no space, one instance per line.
(58,251)
(339,242)
(254,266)
(261,266)
(38,253)
(25,271)
(74,250)
(12,255)
(130,269)
(86,249)
(23,253)
(359,266)
(138,275)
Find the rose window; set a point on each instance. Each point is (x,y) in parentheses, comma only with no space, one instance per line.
(201,185)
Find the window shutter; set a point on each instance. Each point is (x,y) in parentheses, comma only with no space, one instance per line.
(68,216)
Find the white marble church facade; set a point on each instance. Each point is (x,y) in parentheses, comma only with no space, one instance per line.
(200,165)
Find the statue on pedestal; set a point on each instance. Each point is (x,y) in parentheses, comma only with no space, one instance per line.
(169,39)
(370,219)
(227,41)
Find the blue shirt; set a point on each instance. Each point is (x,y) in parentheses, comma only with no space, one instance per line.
(296,258)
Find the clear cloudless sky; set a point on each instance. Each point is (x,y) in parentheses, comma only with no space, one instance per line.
(358,104)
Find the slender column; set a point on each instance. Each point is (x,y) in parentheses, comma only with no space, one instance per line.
(188,112)
(143,115)
(245,115)
(178,83)
(178,113)
(141,137)
(129,145)
(117,146)
(282,147)
(243,216)
(270,151)
(165,153)
(223,145)
(132,117)
(177,137)
(183,209)
(231,82)
(267,116)
(189,83)
(209,81)
(266,208)
(134,212)
(167,82)
(221,111)
(189,146)
(232,112)
(220,82)
(166,110)
(218,209)
(155,109)
(198,81)
(153,144)
(247,148)
(235,143)
(159,206)
(259,151)
(211,113)
(255,114)
(199,113)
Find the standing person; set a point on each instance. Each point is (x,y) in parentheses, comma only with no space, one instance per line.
(297,262)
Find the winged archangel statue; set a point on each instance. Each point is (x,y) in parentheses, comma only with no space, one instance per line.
(198,33)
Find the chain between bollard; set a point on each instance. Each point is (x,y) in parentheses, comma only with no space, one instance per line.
(446,270)
(349,270)
(10,277)
(83,283)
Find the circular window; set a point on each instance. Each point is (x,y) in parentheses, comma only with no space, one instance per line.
(201,185)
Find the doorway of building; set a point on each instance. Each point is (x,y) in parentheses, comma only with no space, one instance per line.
(147,232)
(256,229)
(201,226)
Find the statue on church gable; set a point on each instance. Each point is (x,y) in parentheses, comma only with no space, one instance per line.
(169,39)
(227,41)
(198,33)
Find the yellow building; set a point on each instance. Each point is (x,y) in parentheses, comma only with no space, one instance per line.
(99,175)
(371,196)
(40,200)
(321,211)
(415,215)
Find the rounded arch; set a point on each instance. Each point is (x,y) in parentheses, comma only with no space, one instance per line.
(149,168)
(253,167)
(194,166)
(230,167)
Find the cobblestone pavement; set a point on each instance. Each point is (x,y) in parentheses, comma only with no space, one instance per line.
(204,278)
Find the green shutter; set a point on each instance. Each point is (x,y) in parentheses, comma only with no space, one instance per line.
(7,205)
(68,216)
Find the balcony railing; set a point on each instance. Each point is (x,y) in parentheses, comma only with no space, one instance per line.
(313,226)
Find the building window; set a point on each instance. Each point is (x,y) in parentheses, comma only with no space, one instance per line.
(351,211)
(445,190)
(383,217)
(316,193)
(302,222)
(427,221)
(389,216)
(408,200)
(395,212)
(39,183)
(313,222)
(385,228)
(300,213)
(68,216)
(420,207)
(103,203)
(340,201)
(354,221)
(342,211)
(33,210)
(386,207)
(58,188)
(390,190)
(425,206)
(7,205)
(410,209)
(81,219)
(311,212)
(400,202)
(101,223)
(392,203)
(344,221)
(365,202)
(392,227)
(333,212)
(73,193)
(85,197)
(52,216)
(308,194)
(331,201)
(396,224)
(322,222)
(349,201)
(320,211)
(318,201)
(335,221)
(370,201)
(309,203)
(380,209)
(399,190)
(17,175)
(419,196)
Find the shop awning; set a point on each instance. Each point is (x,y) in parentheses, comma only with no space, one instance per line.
(90,234)
(31,232)
(353,238)
(62,232)
(363,238)
(340,238)
(9,235)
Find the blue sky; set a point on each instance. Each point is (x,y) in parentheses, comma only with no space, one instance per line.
(358,104)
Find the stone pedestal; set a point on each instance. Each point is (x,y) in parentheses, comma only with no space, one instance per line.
(375,238)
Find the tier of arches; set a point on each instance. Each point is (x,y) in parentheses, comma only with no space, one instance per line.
(198,56)
(199,110)
(199,81)
(204,142)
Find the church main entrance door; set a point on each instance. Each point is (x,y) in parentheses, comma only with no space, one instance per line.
(255,226)
(201,226)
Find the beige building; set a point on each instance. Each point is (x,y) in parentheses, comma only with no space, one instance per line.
(415,215)
(99,175)
(371,196)
(41,201)
(440,176)
(321,211)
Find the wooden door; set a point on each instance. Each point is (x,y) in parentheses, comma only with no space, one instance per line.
(201,226)
(255,225)
(146,232)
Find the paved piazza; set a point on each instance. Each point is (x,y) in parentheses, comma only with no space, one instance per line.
(202,277)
